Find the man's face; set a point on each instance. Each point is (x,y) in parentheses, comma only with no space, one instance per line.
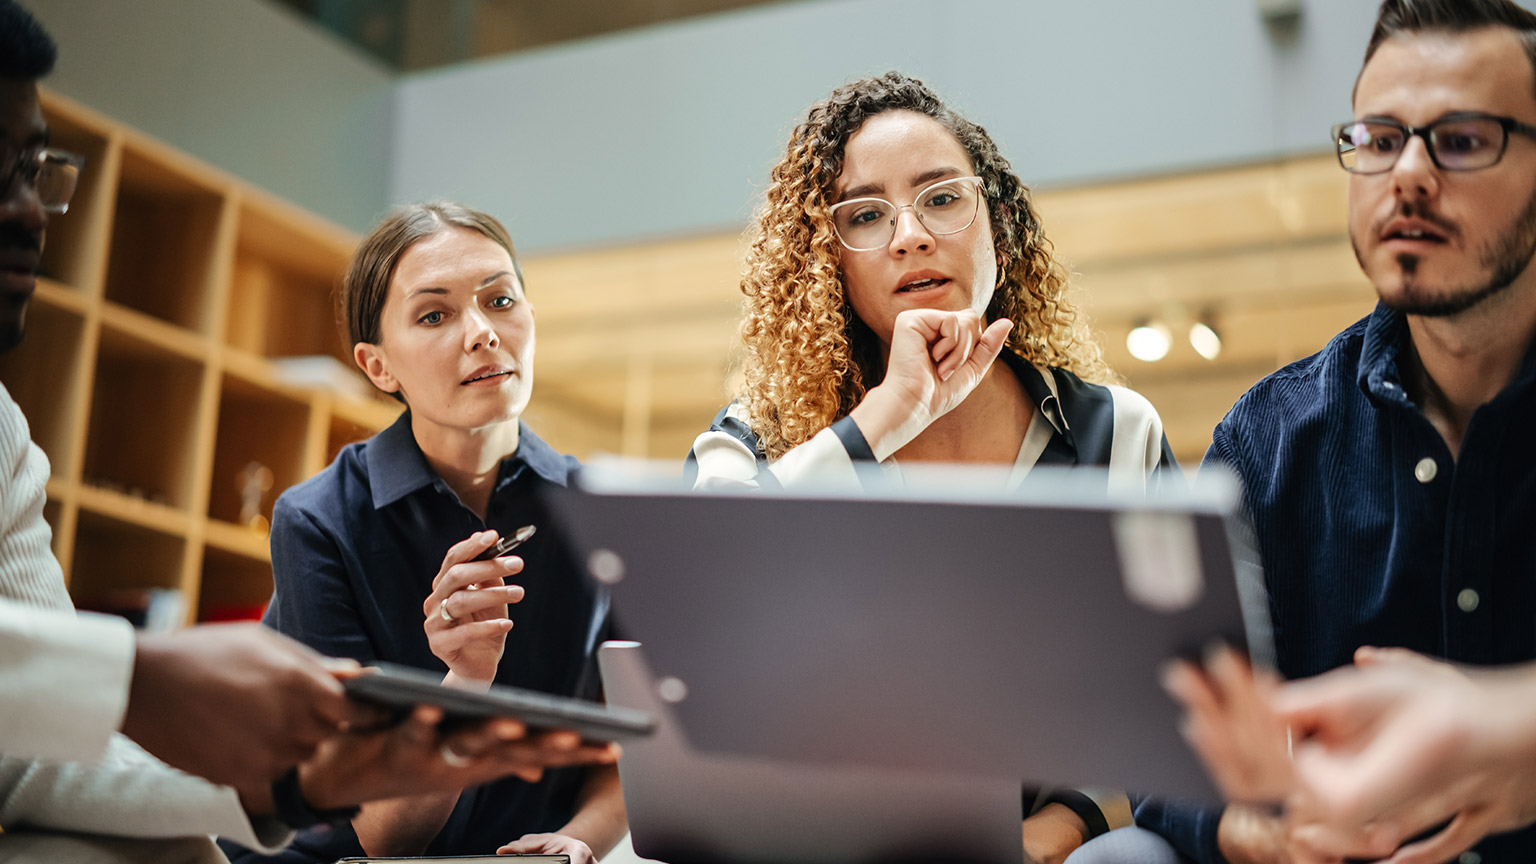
(22,220)
(1438,242)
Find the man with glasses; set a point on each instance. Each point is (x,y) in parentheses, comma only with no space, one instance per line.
(1390,478)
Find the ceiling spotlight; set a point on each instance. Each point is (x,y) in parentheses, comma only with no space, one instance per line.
(1205,340)
(1149,341)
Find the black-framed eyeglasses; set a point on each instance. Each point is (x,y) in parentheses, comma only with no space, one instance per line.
(1457,142)
(946,207)
(52,173)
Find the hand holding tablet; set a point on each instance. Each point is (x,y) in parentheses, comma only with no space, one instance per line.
(401,687)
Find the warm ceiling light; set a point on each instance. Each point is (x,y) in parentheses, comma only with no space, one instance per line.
(1205,340)
(1149,341)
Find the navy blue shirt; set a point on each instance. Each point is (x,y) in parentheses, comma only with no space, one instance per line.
(354,552)
(1369,531)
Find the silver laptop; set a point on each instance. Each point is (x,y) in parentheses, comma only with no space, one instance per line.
(687,807)
(947,629)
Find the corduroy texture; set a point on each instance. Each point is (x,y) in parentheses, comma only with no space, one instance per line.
(1364,543)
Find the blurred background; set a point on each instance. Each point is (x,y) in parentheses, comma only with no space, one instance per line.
(1178,150)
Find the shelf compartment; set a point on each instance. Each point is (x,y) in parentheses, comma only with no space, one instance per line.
(287,269)
(236,587)
(376,413)
(237,540)
(133,510)
(73,253)
(165,238)
(45,374)
(142,437)
(257,425)
(342,433)
(114,559)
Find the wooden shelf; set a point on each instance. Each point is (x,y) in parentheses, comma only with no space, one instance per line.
(142,334)
(261,429)
(165,237)
(115,550)
(367,413)
(47,374)
(236,585)
(75,254)
(133,510)
(146,372)
(237,540)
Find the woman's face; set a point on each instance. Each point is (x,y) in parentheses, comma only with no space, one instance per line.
(455,334)
(894,156)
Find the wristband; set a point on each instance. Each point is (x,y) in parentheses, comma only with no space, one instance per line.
(295,812)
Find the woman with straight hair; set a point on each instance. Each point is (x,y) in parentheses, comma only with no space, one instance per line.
(377,557)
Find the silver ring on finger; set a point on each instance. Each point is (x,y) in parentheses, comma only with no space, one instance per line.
(442,612)
(452,759)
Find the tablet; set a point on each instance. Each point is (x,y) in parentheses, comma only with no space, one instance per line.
(402,687)
(534,858)
(936,627)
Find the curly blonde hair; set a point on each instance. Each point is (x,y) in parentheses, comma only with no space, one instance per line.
(808,359)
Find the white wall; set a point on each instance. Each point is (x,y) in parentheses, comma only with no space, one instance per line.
(673,129)
(241,84)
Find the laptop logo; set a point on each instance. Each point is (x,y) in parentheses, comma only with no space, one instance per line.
(1159,559)
(606,566)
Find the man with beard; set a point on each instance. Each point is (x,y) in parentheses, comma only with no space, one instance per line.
(1390,478)
(259,725)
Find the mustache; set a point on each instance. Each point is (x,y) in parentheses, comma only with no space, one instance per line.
(14,235)
(1417,210)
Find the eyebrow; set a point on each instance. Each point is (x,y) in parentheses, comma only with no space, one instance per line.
(484,283)
(920,180)
(40,138)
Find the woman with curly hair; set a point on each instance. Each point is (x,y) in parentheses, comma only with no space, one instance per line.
(896,258)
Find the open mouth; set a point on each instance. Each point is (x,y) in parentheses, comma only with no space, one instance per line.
(1416,234)
(922,285)
(487,375)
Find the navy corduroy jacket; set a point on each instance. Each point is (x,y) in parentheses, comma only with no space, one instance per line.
(1372,533)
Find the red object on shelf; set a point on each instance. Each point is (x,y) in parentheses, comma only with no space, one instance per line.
(245,612)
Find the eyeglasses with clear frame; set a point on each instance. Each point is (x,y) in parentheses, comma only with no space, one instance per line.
(945,207)
(50,172)
(1466,141)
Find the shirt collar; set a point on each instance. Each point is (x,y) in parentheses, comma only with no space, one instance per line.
(1041,387)
(1379,374)
(1387,335)
(397,467)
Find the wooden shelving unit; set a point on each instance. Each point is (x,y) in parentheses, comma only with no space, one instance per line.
(148,376)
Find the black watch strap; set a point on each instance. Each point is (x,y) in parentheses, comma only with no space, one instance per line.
(295,812)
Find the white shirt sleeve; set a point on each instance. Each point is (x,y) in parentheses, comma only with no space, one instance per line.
(726,462)
(128,793)
(64,680)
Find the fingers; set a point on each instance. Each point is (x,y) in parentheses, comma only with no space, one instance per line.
(482,738)
(461,605)
(959,334)
(450,640)
(484,574)
(1229,723)
(992,340)
(342,668)
(464,551)
(1465,830)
